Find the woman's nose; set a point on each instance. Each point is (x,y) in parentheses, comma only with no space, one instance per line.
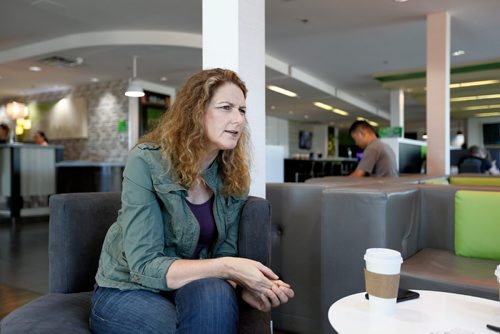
(239,116)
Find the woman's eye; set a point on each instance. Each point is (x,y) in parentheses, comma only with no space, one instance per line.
(243,111)
(228,108)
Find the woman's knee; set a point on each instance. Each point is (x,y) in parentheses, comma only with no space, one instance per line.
(207,291)
(115,311)
(207,303)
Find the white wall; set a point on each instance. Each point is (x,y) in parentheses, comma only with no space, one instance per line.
(475,129)
(286,133)
(277,133)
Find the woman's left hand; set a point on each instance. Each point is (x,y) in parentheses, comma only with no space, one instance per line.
(278,294)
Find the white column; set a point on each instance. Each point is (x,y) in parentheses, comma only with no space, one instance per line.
(398,108)
(133,121)
(234,38)
(438,94)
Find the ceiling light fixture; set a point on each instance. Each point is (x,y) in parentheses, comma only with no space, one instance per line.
(15,110)
(474,83)
(488,114)
(323,105)
(489,106)
(330,108)
(458,53)
(35,68)
(340,112)
(372,123)
(134,89)
(282,91)
(472,98)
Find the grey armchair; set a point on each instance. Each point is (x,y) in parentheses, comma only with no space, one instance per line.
(78,224)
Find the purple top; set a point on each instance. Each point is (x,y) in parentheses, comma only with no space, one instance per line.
(208,231)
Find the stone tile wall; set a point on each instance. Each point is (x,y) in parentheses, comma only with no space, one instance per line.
(107,105)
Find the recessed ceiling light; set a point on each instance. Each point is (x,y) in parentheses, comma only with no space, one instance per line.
(488,114)
(282,91)
(490,106)
(458,53)
(323,105)
(306,116)
(400,0)
(273,107)
(472,98)
(163,79)
(340,112)
(35,68)
(474,83)
(290,112)
(94,79)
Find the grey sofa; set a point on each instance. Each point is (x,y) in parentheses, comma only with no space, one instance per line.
(78,224)
(296,244)
(417,220)
(296,249)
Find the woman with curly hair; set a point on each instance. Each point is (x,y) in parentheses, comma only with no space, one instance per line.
(169,263)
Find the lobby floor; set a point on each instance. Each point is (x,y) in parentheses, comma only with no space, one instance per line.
(23,261)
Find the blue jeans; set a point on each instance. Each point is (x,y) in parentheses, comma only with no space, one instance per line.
(203,306)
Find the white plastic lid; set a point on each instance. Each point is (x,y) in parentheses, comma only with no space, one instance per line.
(383,255)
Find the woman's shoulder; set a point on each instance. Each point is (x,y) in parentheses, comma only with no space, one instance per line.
(149,153)
(149,146)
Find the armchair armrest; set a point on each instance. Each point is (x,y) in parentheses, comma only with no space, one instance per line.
(78,224)
(254,240)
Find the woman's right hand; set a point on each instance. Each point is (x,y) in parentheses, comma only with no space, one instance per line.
(250,274)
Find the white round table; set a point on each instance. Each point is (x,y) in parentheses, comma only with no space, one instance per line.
(434,312)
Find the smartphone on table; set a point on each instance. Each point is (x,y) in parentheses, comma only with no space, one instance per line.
(403,295)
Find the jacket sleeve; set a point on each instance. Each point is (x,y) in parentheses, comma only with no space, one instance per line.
(142,226)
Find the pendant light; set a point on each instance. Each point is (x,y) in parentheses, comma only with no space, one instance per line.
(134,90)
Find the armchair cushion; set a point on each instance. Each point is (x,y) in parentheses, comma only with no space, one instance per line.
(477,224)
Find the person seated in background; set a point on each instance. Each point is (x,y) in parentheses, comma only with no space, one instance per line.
(40,138)
(378,159)
(476,161)
(4,133)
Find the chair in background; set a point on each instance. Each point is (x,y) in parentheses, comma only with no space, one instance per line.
(78,225)
(470,165)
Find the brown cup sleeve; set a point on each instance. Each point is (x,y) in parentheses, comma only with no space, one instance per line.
(383,286)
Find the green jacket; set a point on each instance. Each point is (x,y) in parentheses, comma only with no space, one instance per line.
(155,226)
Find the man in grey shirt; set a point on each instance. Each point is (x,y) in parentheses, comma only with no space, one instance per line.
(378,158)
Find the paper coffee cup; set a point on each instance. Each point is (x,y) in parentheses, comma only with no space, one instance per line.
(383,266)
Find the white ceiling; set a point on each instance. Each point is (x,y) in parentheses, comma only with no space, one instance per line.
(344,43)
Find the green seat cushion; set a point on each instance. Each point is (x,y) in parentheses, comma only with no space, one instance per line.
(477,224)
(475,180)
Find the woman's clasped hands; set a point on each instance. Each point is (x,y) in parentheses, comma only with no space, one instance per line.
(261,287)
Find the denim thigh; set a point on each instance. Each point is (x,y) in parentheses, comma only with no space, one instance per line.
(203,306)
(131,311)
(207,306)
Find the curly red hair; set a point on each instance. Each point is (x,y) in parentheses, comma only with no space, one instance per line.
(181,134)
